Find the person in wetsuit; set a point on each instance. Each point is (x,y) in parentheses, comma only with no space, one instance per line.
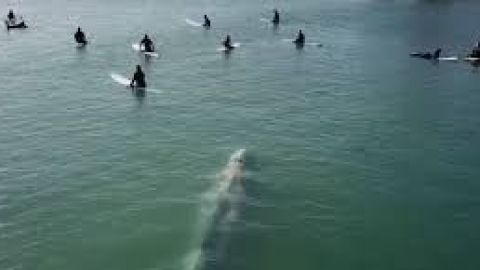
(147,44)
(80,37)
(276,17)
(476,51)
(138,80)
(11,16)
(228,43)
(300,40)
(206,23)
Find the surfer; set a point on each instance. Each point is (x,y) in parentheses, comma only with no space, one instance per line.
(228,43)
(147,44)
(11,16)
(476,51)
(138,79)
(300,40)
(80,37)
(206,23)
(276,17)
(428,55)
(12,22)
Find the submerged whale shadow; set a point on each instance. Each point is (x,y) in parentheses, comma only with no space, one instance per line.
(225,222)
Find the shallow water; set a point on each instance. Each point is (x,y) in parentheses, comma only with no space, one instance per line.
(358,157)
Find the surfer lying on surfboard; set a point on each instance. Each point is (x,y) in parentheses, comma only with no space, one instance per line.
(138,79)
(147,44)
(428,55)
(80,37)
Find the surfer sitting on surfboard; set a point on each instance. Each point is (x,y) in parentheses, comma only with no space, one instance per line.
(138,79)
(228,43)
(476,51)
(428,55)
(147,44)
(80,37)
(300,40)
(276,17)
(206,23)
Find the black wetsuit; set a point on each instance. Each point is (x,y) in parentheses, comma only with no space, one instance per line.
(475,52)
(207,22)
(11,16)
(300,39)
(138,80)
(80,37)
(227,43)
(147,44)
(276,18)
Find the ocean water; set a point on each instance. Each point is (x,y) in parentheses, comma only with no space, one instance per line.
(357,156)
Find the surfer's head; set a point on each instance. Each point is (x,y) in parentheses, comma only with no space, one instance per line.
(139,68)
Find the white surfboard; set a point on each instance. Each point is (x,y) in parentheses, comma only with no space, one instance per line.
(120,79)
(450,58)
(312,44)
(126,82)
(224,49)
(265,20)
(138,48)
(471,59)
(193,23)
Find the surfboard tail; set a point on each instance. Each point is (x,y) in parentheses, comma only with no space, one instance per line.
(193,23)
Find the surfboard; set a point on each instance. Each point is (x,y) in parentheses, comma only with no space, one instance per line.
(312,44)
(137,47)
(120,79)
(81,45)
(224,49)
(265,20)
(126,82)
(471,59)
(193,23)
(269,22)
(20,25)
(450,58)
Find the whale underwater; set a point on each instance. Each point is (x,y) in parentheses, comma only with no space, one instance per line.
(222,209)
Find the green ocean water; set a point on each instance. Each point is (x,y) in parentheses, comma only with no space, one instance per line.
(357,156)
